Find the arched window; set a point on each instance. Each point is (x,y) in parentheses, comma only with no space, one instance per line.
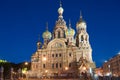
(86,38)
(53,65)
(70,54)
(69,64)
(82,38)
(60,65)
(43,65)
(56,65)
(58,34)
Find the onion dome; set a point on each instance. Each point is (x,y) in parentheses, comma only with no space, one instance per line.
(60,11)
(70,31)
(81,24)
(47,34)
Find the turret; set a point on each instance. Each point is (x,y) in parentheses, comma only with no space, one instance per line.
(60,26)
(70,35)
(38,43)
(46,36)
(81,24)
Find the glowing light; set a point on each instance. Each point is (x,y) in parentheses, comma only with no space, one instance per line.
(26,63)
(44,59)
(3,61)
(66,68)
(46,71)
(24,70)
(105,61)
(84,68)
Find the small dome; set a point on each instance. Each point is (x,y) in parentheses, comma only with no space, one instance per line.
(81,24)
(60,10)
(70,31)
(47,34)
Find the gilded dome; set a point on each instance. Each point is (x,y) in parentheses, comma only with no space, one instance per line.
(70,31)
(47,35)
(60,10)
(81,24)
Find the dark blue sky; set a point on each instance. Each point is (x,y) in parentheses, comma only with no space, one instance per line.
(21,21)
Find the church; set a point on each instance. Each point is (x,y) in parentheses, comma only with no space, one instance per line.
(63,52)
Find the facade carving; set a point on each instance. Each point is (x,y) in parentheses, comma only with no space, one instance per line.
(63,50)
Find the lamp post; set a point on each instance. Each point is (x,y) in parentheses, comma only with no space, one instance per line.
(26,72)
(1,70)
(109,72)
(19,73)
(11,76)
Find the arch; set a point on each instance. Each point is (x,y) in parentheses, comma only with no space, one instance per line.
(56,43)
(59,33)
(82,38)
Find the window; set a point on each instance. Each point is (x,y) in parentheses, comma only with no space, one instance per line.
(52,55)
(43,65)
(70,54)
(56,55)
(60,55)
(56,65)
(69,64)
(52,65)
(60,65)
(58,34)
(44,55)
(86,38)
(82,38)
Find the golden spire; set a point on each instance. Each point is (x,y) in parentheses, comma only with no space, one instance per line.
(80,14)
(60,10)
(60,3)
(46,25)
(69,23)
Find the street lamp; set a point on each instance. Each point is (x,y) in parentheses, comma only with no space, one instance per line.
(66,68)
(19,73)
(1,72)
(84,68)
(109,72)
(11,74)
(26,63)
(25,69)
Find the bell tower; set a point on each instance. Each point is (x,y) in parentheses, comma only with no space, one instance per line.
(82,39)
(60,26)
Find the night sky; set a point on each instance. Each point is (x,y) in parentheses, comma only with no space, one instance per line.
(21,21)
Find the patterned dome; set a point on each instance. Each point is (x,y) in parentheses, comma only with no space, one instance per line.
(70,31)
(81,24)
(47,35)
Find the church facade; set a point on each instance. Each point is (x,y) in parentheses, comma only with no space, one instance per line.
(64,51)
